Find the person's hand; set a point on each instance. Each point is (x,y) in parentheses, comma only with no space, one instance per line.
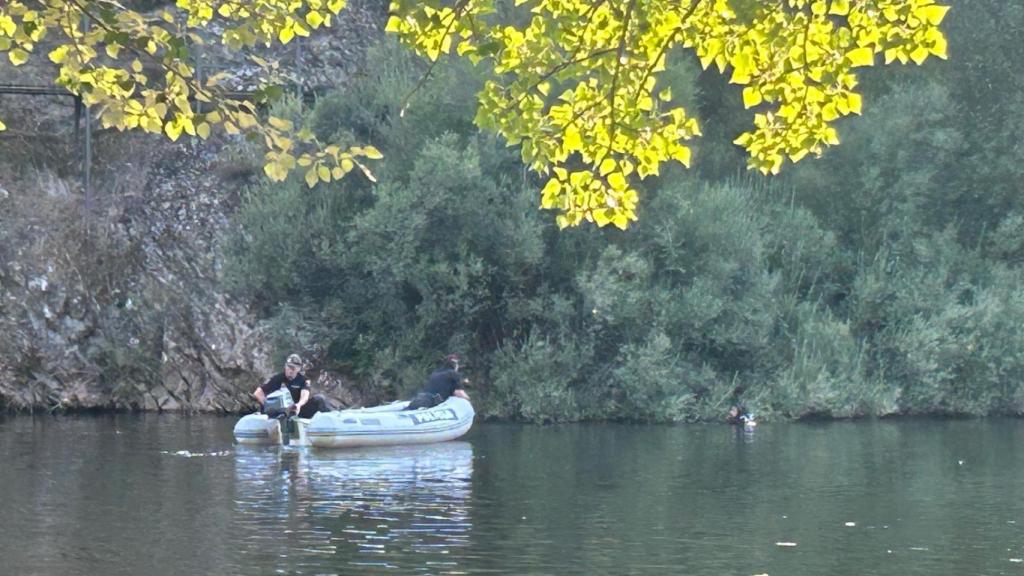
(298,407)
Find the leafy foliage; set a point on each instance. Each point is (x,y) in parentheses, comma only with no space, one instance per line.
(577,82)
(138,70)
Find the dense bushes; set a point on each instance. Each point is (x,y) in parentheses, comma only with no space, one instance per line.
(882,279)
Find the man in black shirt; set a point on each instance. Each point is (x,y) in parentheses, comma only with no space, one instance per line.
(298,385)
(440,385)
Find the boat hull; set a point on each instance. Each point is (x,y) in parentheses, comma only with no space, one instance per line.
(258,429)
(390,425)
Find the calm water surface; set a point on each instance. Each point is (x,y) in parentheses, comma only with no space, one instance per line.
(168,495)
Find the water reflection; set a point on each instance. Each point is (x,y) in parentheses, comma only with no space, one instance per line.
(307,511)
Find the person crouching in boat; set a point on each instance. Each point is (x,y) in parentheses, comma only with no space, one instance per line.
(441,385)
(297,384)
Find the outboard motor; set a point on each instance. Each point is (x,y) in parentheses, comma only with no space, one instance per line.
(278,406)
(278,403)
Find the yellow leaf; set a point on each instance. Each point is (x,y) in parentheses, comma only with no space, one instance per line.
(617,181)
(854,101)
(939,47)
(113,50)
(203,130)
(17,56)
(286,34)
(314,19)
(281,124)
(934,14)
(839,7)
(173,130)
(372,153)
(602,216)
(861,57)
(751,96)
(682,155)
(311,177)
(58,54)
(572,140)
(2,126)
(324,173)
(919,55)
(607,165)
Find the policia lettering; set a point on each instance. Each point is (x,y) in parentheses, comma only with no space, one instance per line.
(427,417)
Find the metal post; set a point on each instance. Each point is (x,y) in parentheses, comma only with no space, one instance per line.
(78,116)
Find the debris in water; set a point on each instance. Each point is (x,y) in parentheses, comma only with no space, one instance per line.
(919,548)
(1017,560)
(785,544)
(187,454)
(850,524)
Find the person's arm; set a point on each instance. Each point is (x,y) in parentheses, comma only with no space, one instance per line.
(260,395)
(303,398)
(459,383)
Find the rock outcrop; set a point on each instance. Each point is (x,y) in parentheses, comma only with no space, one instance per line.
(115,302)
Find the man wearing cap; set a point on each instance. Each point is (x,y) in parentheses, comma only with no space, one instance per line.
(293,379)
(441,385)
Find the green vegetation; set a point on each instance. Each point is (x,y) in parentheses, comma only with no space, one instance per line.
(884,278)
(580,84)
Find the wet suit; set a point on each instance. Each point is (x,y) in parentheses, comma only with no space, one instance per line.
(439,387)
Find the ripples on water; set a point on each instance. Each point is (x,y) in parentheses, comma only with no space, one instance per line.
(172,496)
(300,509)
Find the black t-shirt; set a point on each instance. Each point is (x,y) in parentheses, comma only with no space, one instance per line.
(443,383)
(295,385)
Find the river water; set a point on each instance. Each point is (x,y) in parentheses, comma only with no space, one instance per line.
(171,495)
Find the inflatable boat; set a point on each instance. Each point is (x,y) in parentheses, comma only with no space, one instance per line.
(390,425)
(262,429)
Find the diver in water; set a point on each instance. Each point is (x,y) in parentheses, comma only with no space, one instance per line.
(738,415)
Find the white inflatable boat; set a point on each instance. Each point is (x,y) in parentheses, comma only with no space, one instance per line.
(390,425)
(263,429)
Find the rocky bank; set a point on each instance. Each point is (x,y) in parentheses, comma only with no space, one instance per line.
(115,302)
